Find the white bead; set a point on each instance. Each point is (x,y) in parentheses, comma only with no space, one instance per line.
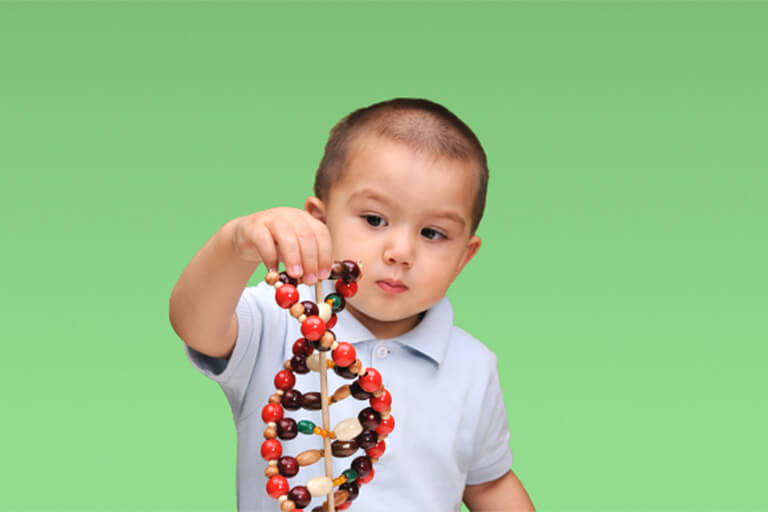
(313,361)
(301,318)
(348,429)
(319,486)
(272,424)
(335,345)
(278,284)
(282,498)
(324,311)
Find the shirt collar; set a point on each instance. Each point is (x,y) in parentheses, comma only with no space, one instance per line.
(429,337)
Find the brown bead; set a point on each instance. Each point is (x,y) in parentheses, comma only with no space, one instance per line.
(327,339)
(274,398)
(356,366)
(270,433)
(287,506)
(311,401)
(343,448)
(297,310)
(287,364)
(272,278)
(340,394)
(308,457)
(339,498)
(271,471)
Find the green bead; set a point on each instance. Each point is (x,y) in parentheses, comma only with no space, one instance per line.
(351,475)
(306,427)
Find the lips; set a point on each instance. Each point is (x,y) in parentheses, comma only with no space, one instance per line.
(391,286)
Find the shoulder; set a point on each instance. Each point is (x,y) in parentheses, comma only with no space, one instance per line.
(469,348)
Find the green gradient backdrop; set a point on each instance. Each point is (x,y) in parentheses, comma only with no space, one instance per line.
(622,281)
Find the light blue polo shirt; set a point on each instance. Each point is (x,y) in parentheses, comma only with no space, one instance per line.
(450,420)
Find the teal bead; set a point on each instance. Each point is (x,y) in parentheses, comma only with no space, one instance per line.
(351,475)
(306,427)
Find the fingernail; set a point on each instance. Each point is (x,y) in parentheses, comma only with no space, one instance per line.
(325,273)
(296,270)
(308,279)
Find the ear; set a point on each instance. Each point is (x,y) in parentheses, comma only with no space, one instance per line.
(473,245)
(315,207)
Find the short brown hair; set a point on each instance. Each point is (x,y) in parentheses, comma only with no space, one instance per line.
(418,123)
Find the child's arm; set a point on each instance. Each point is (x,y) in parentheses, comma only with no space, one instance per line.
(203,301)
(505,494)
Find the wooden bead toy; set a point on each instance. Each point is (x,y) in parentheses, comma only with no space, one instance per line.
(368,431)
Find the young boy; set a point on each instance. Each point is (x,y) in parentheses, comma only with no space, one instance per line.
(401,189)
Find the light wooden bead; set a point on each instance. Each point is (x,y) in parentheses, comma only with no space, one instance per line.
(324,311)
(319,486)
(282,498)
(272,424)
(335,345)
(287,365)
(287,506)
(297,310)
(278,284)
(348,429)
(271,471)
(341,393)
(356,366)
(272,278)
(379,391)
(313,362)
(270,433)
(308,457)
(273,462)
(274,398)
(386,412)
(329,363)
(327,339)
(374,460)
(302,317)
(381,438)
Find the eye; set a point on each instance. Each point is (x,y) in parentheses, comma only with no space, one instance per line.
(432,234)
(374,220)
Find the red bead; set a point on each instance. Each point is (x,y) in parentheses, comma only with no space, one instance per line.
(313,327)
(286,296)
(271,449)
(285,380)
(386,426)
(301,347)
(272,412)
(329,325)
(371,381)
(344,506)
(382,403)
(346,289)
(377,451)
(277,486)
(344,355)
(367,478)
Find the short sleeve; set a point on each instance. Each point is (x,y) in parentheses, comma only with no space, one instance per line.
(491,454)
(234,374)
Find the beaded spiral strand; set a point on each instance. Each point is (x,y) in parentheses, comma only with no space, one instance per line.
(368,430)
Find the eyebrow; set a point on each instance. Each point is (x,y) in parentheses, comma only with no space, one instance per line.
(372,194)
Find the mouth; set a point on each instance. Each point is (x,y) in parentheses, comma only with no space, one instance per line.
(391,286)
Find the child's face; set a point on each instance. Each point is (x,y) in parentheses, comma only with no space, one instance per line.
(407,218)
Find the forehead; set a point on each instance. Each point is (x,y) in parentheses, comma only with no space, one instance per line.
(391,170)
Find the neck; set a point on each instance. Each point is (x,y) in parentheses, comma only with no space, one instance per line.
(382,329)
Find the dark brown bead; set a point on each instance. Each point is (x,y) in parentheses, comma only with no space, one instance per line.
(310,308)
(299,364)
(351,488)
(300,496)
(359,392)
(351,271)
(312,401)
(369,418)
(288,279)
(337,270)
(367,439)
(288,466)
(362,465)
(291,400)
(344,372)
(287,428)
(343,448)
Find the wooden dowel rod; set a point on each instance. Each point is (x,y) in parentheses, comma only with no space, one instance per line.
(324,408)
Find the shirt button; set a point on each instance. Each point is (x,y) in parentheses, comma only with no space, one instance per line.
(382,352)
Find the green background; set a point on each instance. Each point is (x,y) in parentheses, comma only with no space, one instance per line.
(622,280)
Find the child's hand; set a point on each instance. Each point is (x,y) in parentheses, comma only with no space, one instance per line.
(290,235)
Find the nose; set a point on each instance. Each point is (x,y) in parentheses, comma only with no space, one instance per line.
(399,248)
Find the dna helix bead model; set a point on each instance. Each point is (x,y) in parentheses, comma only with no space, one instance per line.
(368,431)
